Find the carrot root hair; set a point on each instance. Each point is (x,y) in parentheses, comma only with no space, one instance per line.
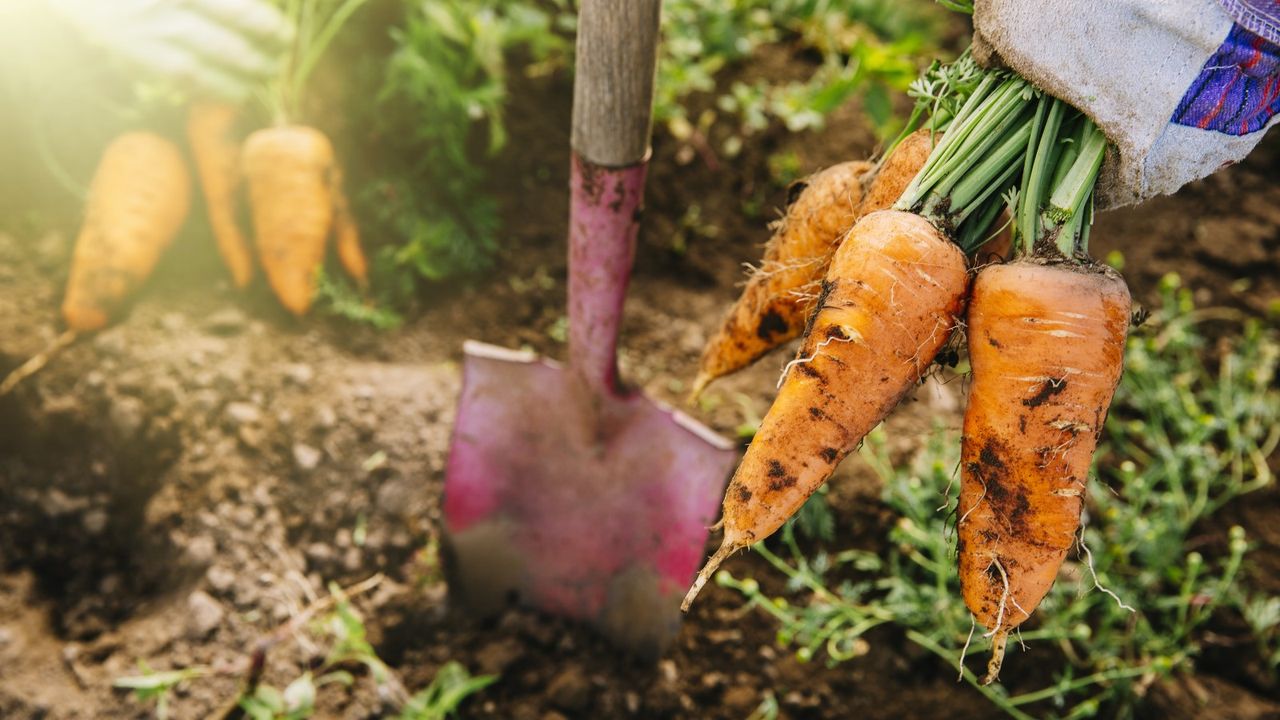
(36,362)
(713,564)
(998,644)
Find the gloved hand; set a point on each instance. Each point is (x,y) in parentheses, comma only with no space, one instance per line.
(223,46)
(1181,87)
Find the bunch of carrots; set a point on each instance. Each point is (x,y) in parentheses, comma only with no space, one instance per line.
(140,197)
(876,266)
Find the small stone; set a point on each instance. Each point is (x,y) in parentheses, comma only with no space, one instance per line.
(243,413)
(243,516)
(496,656)
(251,437)
(172,321)
(740,699)
(326,418)
(201,550)
(319,554)
(352,559)
(204,614)
(299,374)
(6,636)
(228,321)
(306,457)
(220,578)
(127,416)
(570,690)
(95,521)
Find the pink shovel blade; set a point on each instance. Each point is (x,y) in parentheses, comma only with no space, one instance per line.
(594,507)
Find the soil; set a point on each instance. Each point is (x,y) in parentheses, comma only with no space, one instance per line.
(180,485)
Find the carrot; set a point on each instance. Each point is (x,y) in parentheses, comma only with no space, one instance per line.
(1046,343)
(889,302)
(217,157)
(138,199)
(897,170)
(347,236)
(289,170)
(780,295)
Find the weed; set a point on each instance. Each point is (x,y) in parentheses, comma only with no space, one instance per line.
(1187,434)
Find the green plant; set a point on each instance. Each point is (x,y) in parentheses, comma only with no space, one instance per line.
(451,685)
(341,629)
(158,685)
(439,112)
(865,46)
(1188,434)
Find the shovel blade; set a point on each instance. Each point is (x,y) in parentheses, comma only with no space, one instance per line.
(592,507)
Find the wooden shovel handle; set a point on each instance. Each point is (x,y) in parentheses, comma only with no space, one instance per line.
(613,89)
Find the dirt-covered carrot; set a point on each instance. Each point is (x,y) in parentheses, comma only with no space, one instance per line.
(139,198)
(889,302)
(1046,337)
(210,128)
(289,169)
(780,295)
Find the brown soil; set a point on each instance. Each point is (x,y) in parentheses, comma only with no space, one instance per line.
(179,485)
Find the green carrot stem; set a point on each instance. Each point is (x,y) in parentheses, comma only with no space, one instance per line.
(976,185)
(984,136)
(316,46)
(1035,183)
(972,137)
(918,187)
(1070,197)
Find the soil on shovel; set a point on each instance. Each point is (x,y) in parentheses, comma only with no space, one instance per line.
(179,486)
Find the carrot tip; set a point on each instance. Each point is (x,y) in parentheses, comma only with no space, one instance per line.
(713,563)
(997,657)
(700,383)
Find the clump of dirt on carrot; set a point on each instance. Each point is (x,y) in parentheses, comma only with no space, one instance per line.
(890,300)
(1046,335)
(210,132)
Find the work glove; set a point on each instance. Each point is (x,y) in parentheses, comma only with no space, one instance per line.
(1180,87)
(224,47)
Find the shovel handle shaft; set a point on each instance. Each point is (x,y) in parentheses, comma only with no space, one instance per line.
(604,216)
(615,62)
(612,116)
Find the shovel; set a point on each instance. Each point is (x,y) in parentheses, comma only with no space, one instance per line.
(564,489)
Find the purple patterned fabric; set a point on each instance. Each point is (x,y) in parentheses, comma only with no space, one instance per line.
(1238,89)
(1262,17)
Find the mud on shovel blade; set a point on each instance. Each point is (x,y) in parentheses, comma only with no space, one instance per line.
(565,490)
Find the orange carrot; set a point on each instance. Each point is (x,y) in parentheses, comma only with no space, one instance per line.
(896,171)
(289,170)
(889,302)
(217,156)
(139,198)
(1046,342)
(780,295)
(347,236)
